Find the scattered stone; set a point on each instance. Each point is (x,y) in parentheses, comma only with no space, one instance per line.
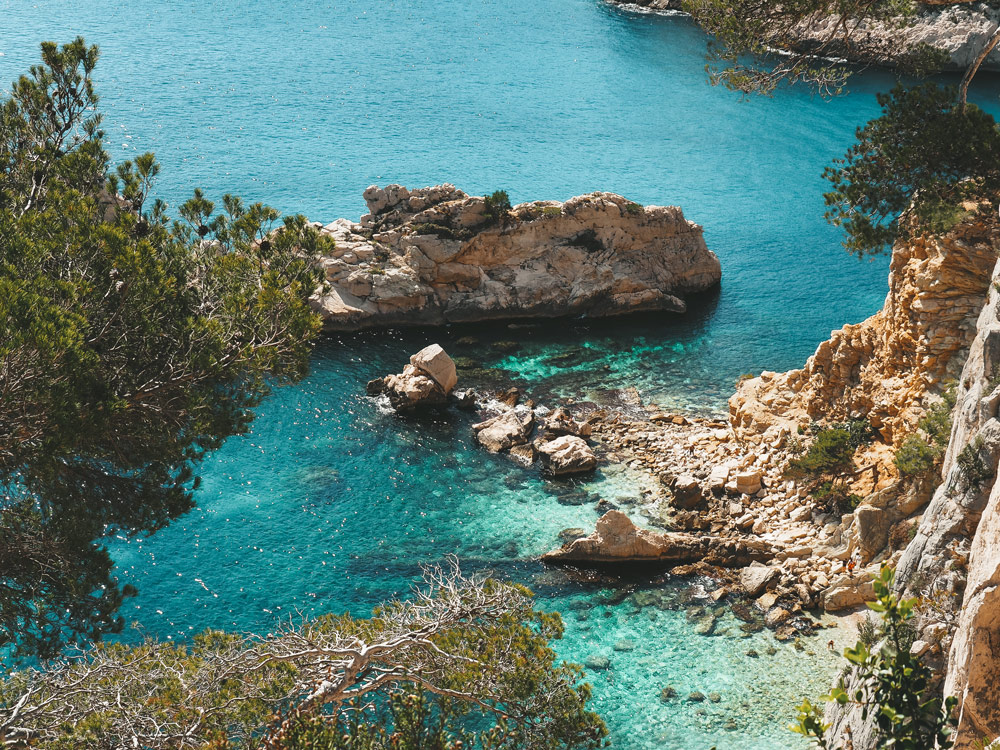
(714,697)
(567,455)
(696,697)
(625,645)
(668,694)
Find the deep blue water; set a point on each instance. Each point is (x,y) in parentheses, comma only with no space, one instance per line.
(330,504)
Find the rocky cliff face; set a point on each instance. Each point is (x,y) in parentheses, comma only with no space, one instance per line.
(886,367)
(941,319)
(954,559)
(434,255)
(959,31)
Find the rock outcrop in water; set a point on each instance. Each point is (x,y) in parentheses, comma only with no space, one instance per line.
(617,540)
(959,31)
(434,255)
(426,381)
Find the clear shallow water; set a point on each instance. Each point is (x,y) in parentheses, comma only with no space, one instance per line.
(329,504)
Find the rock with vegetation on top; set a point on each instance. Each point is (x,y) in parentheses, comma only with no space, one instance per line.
(436,255)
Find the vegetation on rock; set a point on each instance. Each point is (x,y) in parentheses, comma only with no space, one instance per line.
(913,165)
(892,685)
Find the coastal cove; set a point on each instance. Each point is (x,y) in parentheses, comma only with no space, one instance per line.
(331,502)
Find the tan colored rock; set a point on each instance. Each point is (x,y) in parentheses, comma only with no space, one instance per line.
(429,256)
(849,591)
(888,367)
(756,578)
(435,363)
(411,389)
(617,540)
(748,482)
(567,455)
(504,430)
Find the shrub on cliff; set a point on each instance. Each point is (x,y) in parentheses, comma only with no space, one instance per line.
(892,686)
(129,346)
(465,660)
(497,206)
(915,456)
(832,448)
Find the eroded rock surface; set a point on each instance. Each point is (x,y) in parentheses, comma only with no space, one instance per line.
(888,367)
(617,540)
(434,256)
(959,31)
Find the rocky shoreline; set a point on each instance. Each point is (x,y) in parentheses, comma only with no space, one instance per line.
(437,255)
(958,31)
(726,506)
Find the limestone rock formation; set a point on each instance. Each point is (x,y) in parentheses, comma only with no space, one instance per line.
(566,455)
(959,31)
(434,256)
(506,430)
(885,367)
(617,540)
(426,381)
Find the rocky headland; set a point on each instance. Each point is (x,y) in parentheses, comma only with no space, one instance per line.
(437,255)
(960,31)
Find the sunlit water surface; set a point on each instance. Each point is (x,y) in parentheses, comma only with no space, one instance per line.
(330,504)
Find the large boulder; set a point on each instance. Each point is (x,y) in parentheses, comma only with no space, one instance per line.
(567,455)
(505,430)
(849,591)
(425,382)
(617,540)
(436,364)
(757,578)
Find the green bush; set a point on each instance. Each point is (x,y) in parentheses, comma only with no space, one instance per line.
(894,687)
(974,467)
(836,497)
(915,456)
(552,211)
(937,421)
(497,206)
(831,450)
(633,208)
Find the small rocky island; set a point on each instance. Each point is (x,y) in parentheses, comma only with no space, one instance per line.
(437,255)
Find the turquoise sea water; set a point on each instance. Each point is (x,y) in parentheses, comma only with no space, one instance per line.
(331,504)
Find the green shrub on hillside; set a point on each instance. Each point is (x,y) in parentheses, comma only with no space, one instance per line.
(892,686)
(915,456)
(497,206)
